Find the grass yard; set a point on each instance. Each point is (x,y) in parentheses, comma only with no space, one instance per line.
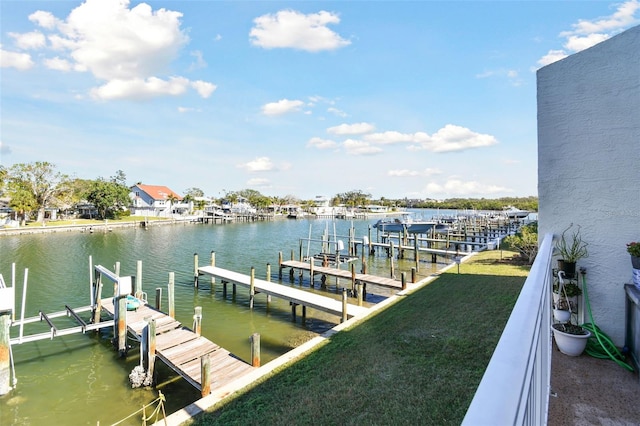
(417,362)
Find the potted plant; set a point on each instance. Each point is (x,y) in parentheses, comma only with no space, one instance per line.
(571,247)
(634,250)
(570,338)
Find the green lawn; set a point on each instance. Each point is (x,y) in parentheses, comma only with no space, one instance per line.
(417,362)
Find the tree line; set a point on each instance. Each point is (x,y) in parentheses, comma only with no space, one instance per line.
(34,187)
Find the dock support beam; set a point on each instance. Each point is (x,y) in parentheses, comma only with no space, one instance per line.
(252,287)
(197,320)
(5,346)
(171,295)
(205,374)
(195,270)
(344,305)
(149,346)
(255,350)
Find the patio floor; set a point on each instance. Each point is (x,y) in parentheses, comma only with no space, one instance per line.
(592,391)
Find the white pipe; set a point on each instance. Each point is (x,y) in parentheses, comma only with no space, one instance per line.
(24,301)
(13,285)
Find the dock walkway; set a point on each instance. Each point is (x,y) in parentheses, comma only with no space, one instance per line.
(181,349)
(293,295)
(341,273)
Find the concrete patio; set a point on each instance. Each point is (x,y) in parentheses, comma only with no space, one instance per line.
(592,391)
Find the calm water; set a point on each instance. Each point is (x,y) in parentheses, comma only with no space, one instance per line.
(80,380)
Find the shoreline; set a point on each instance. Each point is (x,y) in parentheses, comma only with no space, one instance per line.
(98,227)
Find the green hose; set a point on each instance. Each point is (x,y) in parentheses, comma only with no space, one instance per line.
(599,344)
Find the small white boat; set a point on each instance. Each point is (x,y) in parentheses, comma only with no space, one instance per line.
(515,213)
(405,224)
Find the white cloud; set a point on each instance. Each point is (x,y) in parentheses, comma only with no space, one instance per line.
(140,89)
(454,138)
(283,106)
(261,164)
(587,33)
(351,129)
(44,19)
(292,29)
(31,40)
(354,147)
(58,64)
(20,61)
(337,112)
(259,183)
(321,143)
(204,88)
(457,187)
(551,57)
(393,137)
(130,50)
(414,173)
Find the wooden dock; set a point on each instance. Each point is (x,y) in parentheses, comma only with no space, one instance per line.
(181,349)
(340,273)
(293,295)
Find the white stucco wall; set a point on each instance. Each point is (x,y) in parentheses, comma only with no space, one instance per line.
(589,164)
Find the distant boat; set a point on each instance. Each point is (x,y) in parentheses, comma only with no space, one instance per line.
(406,224)
(515,213)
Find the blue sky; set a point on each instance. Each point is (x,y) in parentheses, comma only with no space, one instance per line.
(419,99)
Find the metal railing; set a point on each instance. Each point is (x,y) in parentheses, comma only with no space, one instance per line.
(515,387)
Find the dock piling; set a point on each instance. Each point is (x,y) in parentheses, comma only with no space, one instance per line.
(171,295)
(255,350)
(197,320)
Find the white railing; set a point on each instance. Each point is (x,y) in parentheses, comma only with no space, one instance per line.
(515,387)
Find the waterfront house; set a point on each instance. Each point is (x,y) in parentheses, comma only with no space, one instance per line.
(154,201)
(588,174)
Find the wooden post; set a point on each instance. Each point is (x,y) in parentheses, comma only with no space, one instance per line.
(403,279)
(149,343)
(311,277)
(5,347)
(252,287)
(197,320)
(255,350)
(138,289)
(121,323)
(280,265)
(417,252)
(353,278)
(413,275)
(344,305)
(213,263)
(392,266)
(268,280)
(159,298)
(205,374)
(195,270)
(171,295)
(360,295)
(97,299)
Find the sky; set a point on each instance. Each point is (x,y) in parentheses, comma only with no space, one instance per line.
(397,99)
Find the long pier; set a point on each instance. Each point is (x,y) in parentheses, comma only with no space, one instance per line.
(340,273)
(293,295)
